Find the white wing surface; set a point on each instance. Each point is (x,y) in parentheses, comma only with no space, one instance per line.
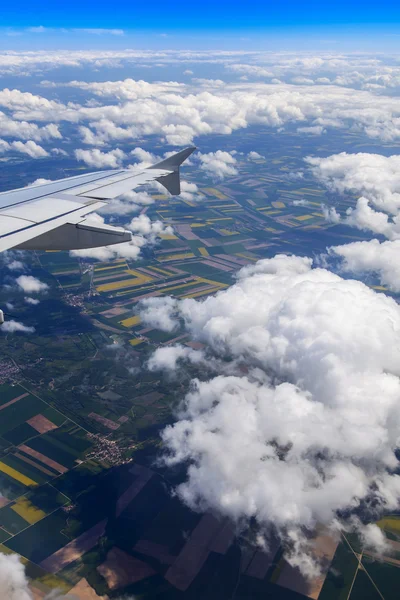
(52,216)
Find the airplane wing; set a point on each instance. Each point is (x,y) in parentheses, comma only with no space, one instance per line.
(52,216)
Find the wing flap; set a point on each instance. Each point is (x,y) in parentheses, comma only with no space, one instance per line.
(14,230)
(85,234)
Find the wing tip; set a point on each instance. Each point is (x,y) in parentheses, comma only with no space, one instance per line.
(173,162)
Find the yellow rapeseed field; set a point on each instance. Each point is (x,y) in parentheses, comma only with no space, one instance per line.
(120,263)
(215,193)
(392,523)
(175,256)
(139,279)
(130,321)
(303,217)
(16,475)
(25,509)
(229,232)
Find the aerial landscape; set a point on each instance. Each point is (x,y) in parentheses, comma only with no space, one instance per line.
(212,409)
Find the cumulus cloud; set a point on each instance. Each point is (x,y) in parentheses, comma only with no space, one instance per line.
(330,213)
(166,358)
(144,157)
(15,265)
(381,259)
(178,112)
(127,203)
(32,301)
(30,148)
(369,72)
(31,284)
(375,178)
(254,70)
(105,253)
(218,164)
(151,229)
(13,326)
(190,191)
(254,155)
(301,202)
(39,181)
(159,313)
(306,431)
(314,130)
(98,159)
(13,581)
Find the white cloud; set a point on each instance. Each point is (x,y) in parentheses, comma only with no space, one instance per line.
(38,29)
(374,539)
(314,130)
(368,72)
(166,358)
(159,313)
(100,31)
(13,581)
(127,203)
(144,226)
(307,429)
(31,284)
(218,164)
(105,253)
(40,181)
(15,265)
(11,327)
(254,155)
(301,202)
(98,159)
(374,257)
(144,157)
(32,301)
(254,70)
(375,178)
(178,112)
(190,191)
(330,213)
(30,148)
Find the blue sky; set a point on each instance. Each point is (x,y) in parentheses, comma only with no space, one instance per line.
(355,23)
(189,14)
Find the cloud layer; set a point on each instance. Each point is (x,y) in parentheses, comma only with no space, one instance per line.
(13,582)
(376,178)
(307,427)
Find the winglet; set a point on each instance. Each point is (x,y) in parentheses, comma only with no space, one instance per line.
(171,181)
(172,163)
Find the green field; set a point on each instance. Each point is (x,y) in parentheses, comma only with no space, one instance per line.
(19,412)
